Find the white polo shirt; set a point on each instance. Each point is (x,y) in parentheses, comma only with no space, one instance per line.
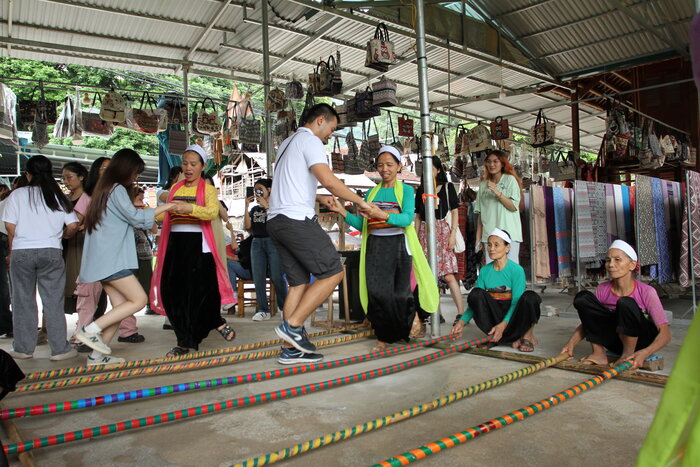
(293,185)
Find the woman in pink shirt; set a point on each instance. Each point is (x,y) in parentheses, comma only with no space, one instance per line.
(625,316)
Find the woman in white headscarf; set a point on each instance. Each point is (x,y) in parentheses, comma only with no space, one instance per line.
(624,316)
(499,303)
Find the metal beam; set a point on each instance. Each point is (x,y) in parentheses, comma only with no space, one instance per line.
(106,36)
(381,4)
(522,9)
(485,97)
(208,28)
(330,24)
(621,6)
(618,65)
(406,31)
(449,80)
(481,9)
(267,137)
(119,11)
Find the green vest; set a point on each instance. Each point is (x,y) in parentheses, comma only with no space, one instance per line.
(428,293)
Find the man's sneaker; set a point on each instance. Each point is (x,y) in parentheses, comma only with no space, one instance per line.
(104,360)
(296,337)
(92,340)
(20,355)
(64,356)
(261,316)
(82,348)
(294,356)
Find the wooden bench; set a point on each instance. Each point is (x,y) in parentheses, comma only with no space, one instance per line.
(246,286)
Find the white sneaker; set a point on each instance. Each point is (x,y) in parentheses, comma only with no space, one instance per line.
(261,316)
(20,355)
(92,340)
(64,356)
(104,360)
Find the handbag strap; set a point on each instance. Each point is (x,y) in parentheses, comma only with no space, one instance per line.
(336,145)
(279,158)
(381,32)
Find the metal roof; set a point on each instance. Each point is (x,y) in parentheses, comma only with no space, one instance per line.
(223,38)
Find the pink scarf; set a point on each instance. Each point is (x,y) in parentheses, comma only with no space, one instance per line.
(224,283)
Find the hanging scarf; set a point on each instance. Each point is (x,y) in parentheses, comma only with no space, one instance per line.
(225,290)
(428,293)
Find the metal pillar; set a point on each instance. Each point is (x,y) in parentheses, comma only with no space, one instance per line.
(690,240)
(186,89)
(269,150)
(425,151)
(575,133)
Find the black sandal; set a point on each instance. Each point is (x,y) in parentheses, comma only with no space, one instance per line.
(176,352)
(227,331)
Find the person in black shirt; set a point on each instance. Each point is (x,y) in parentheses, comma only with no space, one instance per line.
(445,236)
(265,260)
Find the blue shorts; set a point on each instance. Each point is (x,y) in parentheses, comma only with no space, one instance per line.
(118,275)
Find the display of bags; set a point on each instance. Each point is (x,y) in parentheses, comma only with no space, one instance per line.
(380,50)
(113,107)
(562,167)
(27,109)
(478,138)
(207,121)
(92,123)
(365,105)
(405,126)
(275,100)
(146,119)
(542,133)
(294,90)
(500,129)
(249,128)
(337,158)
(384,93)
(321,80)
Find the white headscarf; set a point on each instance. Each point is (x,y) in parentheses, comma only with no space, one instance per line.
(391,150)
(626,247)
(501,234)
(199,150)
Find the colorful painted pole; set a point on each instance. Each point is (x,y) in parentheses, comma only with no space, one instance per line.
(192,412)
(378,423)
(504,420)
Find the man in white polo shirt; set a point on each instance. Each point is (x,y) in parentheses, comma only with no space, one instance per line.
(304,247)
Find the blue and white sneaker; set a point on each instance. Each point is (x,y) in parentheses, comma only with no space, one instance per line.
(294,356)
(297,337)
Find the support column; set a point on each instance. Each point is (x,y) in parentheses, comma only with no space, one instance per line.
(425,150)
(575,133)
(269,150)
(697,127)
(186,89)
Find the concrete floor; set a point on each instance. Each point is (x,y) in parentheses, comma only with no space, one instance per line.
(616,415)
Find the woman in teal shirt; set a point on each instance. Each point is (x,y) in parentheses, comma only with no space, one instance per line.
(499,303)
(390,248)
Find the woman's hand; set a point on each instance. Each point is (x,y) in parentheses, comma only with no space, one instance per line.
(181,207)
(496,332)
(637,359)
(452,240)
(492,186)
(262,202)
(375,212)
(568,349)
(248,200)
(458,327)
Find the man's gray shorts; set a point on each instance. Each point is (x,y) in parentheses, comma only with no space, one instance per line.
(304,248)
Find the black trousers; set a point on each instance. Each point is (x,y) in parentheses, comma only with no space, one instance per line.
(5,314)
(390,305)
(489,312)
(190,289)
(603,326)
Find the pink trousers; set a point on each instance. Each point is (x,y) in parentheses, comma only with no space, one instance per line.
(88,297)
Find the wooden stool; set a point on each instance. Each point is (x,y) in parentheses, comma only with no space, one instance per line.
(249,286)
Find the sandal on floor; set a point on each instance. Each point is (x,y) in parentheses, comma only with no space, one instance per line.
(592,361)
(526,346)
(487,345)
(176,352)
(227,332)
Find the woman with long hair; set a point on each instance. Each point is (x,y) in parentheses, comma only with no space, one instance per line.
(74,177)
(498,203)
(190,283)
(109,254)
(447,204)
(37,217)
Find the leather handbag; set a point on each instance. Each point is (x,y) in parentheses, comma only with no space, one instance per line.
(380,50)
(542,133)
(405,126)
(337,158)
(500,129)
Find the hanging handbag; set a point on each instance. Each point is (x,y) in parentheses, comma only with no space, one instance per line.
(146,119)
(342,111)
(336,81)
(275,100)
(405,126)
(500,129)
(542,134)
(478,138)
(113,107)
(64,124)
(384,93)
(380,50)
(27,108)
(457,169)
(40,136)
(321,80)
(294,90)
(207,121)
(471,170)
(365,105)
(351,108)
(337,158)
(249,129)
(459,138)
(92,123)
(353,166)
(307,106)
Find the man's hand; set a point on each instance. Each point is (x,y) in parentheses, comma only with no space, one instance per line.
(376,212)
(364,208)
